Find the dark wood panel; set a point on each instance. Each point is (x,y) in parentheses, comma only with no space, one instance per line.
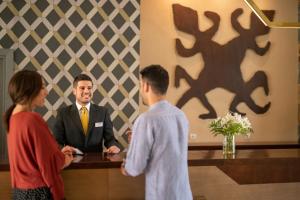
(253,166)
(263,171)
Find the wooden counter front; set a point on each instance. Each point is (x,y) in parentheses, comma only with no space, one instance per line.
(97,175)
(248,166)
(253,166)
(265,165)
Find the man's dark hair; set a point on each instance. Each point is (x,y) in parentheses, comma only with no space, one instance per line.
(157,77)
(81,77)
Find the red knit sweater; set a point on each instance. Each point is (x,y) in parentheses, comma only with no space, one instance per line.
(34,157)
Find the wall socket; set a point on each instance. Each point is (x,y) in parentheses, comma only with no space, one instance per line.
(193,136)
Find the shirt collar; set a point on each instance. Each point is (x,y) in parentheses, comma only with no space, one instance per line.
(158,104)
(79,106)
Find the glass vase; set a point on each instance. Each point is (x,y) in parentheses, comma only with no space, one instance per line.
(228,146)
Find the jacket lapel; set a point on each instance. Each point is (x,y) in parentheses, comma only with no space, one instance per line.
(91,118)
(76,118)
(91,123)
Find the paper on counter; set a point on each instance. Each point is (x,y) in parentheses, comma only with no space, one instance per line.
(78,152)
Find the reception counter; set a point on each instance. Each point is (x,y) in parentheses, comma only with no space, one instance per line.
(97,175)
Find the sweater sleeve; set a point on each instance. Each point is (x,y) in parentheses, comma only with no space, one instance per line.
(49,158)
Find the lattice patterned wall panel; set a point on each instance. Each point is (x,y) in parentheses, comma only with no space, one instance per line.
(63,38)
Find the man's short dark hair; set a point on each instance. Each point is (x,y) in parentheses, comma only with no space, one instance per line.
(157,77)
(81,77)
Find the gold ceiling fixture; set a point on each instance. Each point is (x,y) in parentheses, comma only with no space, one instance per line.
(265,19)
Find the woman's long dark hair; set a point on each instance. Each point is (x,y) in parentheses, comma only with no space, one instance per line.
(23,87)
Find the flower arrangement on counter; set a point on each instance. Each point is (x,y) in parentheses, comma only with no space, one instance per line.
(231,124)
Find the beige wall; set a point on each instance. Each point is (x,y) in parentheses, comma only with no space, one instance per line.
(158,35)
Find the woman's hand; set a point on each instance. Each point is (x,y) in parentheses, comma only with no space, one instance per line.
(68,152)
(68,149)
(68,159)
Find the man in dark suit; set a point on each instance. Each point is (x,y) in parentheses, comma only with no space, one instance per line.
(84,125)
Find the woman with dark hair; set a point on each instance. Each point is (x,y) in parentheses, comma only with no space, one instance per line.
(34,156)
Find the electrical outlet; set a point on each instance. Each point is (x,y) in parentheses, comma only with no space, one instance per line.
(193,136)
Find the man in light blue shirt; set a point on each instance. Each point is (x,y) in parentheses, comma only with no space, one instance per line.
(159,142)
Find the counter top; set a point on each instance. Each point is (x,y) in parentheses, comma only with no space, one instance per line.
(195,158)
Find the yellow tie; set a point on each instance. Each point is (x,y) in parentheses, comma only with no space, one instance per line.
(84,119)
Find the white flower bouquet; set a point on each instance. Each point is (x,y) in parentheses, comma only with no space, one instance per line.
(231,124)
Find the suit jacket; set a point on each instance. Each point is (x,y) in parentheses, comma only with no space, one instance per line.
(68,129)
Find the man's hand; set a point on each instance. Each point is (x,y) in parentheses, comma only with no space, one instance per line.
(113,149)
(123,170)
(114,157)
(129,135)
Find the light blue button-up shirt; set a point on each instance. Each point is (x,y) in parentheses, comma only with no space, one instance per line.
(159,148)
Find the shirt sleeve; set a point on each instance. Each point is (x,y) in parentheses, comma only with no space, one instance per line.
(49,158)
(140,148)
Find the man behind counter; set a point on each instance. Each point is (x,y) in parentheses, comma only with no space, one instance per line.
(84,125)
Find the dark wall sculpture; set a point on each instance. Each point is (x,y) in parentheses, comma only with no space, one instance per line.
(221,62)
